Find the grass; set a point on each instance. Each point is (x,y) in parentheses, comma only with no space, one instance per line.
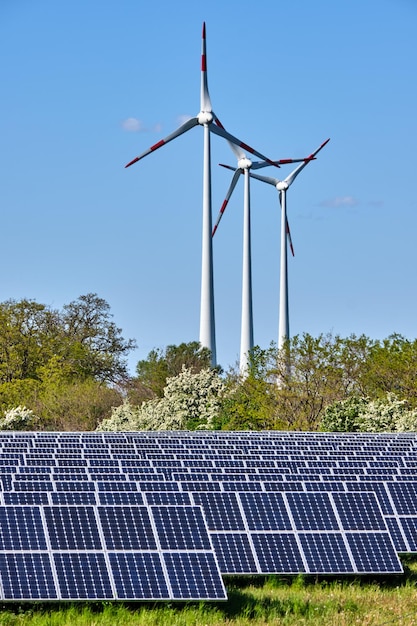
(269,601)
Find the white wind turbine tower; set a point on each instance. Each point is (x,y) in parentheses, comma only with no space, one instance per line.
(282,187)
(244,165)
(205,118)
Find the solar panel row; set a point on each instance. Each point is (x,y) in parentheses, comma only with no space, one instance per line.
(160,515)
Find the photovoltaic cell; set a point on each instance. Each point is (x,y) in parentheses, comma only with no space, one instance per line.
(21,529)
(127,528)
(373,552)
(312,511)
(234,553)
(138,576)
(409,526)
(265,511)
(326,553)
(397,537)
(359,511)
(83,576)
(181,528)
(26,577)
(194,576)
(278,553)
(221,510)
(72,528)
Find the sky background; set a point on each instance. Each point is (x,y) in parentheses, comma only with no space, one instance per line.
(86,85)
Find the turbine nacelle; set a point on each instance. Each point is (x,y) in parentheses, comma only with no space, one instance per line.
(205,117)
(282,185)
(244,163)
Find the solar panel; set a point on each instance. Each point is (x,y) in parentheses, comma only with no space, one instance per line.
(149,512)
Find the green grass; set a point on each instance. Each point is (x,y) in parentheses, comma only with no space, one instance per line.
(269,601)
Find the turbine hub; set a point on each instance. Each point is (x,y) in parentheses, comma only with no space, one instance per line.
(244,163)
(282,185)
(205,117)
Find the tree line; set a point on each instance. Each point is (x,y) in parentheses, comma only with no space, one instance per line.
(68,369)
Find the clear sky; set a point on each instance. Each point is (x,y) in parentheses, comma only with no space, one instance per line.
(86,85)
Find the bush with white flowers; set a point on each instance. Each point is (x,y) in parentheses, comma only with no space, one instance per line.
(18,418)
(358,414)
(191,401)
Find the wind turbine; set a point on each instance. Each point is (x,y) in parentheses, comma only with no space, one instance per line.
(205,118)
(244,165)
(282,186)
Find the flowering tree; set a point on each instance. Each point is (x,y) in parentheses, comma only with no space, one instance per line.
(18,418)
(357,414)
(191,401)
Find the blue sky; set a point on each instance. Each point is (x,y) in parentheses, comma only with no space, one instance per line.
(88,85)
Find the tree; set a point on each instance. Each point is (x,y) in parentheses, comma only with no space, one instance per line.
(355,414)
(95,345)
(63,365)
(153,372)
(28,333)
(391,367)
(191,401)
(250,402)
(18,418)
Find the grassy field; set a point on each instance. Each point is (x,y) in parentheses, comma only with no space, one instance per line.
(259,602)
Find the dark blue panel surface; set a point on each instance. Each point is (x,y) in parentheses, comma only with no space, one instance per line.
(181,528)
(221,510)
(83,576)
(278,553)
(127,528)
(194,576)
(265,511)
(233,553)
(373,552)
(312,511)
(409,525)
(404,496)
(72,528)
(21,528)
(138,576)
(26,577)
(359,511)
(397,537)
(326,553)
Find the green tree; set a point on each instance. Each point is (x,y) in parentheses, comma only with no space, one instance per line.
(191,401)
(94,344)
(250,402)
(161,364)
(358,414)
(391,367)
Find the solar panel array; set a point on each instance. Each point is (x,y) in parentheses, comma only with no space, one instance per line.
(164,515)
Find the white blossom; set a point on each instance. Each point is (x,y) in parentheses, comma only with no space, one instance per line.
(18,418)
(190,401)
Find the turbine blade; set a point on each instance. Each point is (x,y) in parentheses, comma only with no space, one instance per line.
(222,132)
(227,198)
(205,102)
(291,177)
(229,167)
(238,152)
(265,179)
(182,129)
(287,226)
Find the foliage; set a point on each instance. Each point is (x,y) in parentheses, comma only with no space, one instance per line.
(358,414)
(154,371)
(190,401)
(251,400)
(82,337)
(62,365)
(18,418)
